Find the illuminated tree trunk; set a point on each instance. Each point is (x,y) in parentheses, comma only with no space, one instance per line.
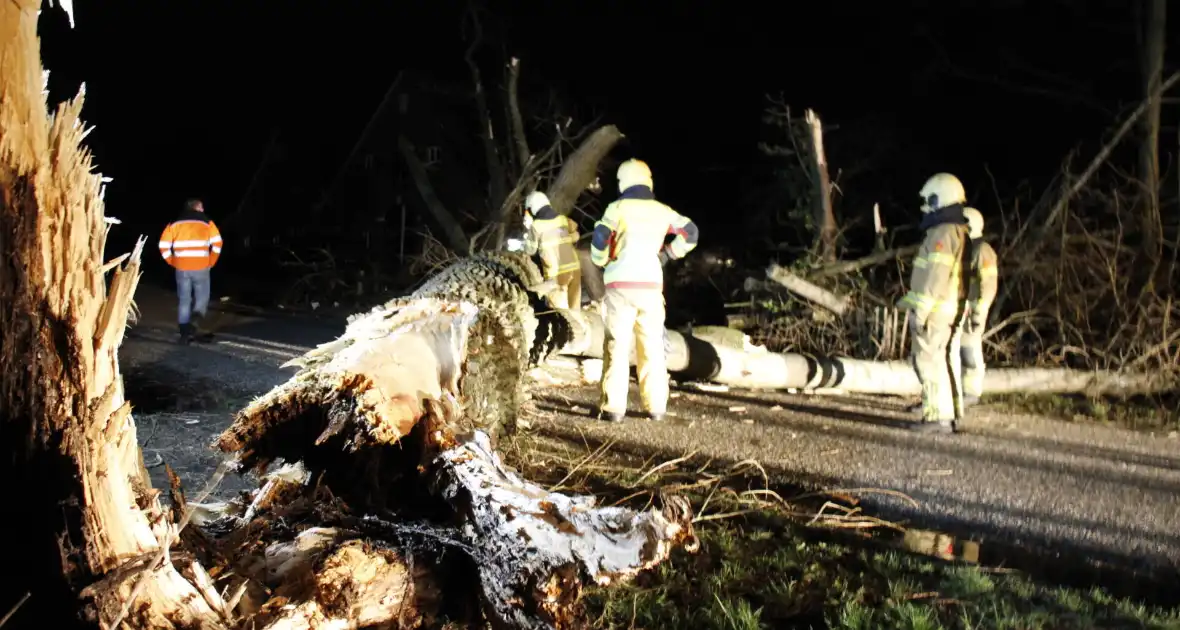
(88,516)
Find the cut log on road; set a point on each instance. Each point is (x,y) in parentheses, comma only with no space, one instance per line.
(394,423)
(817,295)
(691,357)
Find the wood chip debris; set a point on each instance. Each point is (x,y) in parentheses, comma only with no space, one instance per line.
(738,409)
(938,473)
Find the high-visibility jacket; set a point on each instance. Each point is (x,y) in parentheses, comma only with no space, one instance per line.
(191,243)
(630,236)
(936,284)
(985,277)
(554,236)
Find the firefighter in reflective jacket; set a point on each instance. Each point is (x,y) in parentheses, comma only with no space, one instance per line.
(981,292)
(935,301)
(192,245)
(553,236)
(629,242)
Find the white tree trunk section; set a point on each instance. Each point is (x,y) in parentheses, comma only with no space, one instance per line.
(745,366)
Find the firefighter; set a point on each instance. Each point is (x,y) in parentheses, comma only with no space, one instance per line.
(553,236)
(981,292)
(629,243)
(192,245)
(935,302)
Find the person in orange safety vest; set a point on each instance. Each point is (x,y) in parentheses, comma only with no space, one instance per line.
(192,245)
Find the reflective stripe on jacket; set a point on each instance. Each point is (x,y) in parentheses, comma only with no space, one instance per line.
(555,238)
(629,237)
(191,244)
(936,287)
(981,292)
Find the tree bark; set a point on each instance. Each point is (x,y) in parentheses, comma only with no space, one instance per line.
(712,355)
(1154,35)
(515,119)
(451,232)
(825,217)
(89,517)
(497,175)
(397,416)
(581,168)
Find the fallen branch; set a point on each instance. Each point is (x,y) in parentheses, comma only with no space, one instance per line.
(850,266)
(804,289)
(452,232)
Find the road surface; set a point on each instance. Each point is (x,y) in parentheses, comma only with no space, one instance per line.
(1086,490)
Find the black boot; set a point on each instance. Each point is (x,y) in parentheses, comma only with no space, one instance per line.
(186,334)
(198,335)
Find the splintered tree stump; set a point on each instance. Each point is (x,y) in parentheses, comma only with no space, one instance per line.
(392,426)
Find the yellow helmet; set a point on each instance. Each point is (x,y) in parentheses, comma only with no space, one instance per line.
(940,191)
(634,173)
(974,222)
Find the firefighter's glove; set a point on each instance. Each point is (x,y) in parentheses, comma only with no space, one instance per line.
(527,221)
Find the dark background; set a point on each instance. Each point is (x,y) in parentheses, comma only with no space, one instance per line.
(187,95)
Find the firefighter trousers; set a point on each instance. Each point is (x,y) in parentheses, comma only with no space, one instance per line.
(568,294)
(973,366)
(936,359)
(634,315)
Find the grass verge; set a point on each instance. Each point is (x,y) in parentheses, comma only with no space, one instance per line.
(1140,413)
(760,565)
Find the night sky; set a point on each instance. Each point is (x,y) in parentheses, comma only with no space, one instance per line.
(185,94)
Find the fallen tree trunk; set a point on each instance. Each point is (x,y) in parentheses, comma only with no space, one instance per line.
(705,356)
(396,418)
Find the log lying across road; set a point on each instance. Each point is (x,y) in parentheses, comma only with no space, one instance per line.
(406,507)
(707,356)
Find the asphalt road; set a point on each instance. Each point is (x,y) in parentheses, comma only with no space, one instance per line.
(1086,491)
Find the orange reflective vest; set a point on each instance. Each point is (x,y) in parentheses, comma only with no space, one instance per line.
(191,244)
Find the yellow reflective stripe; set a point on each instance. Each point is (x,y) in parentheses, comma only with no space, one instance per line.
(918,300)
(568,267)
(987,272)
(923,301)
(939,258)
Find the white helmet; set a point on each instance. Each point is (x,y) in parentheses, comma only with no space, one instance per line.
(974,222)
(634,173)
(535,201)
(940,191)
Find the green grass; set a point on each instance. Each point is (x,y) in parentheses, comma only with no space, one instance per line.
(747,577)
(765,569)
(1140,413)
